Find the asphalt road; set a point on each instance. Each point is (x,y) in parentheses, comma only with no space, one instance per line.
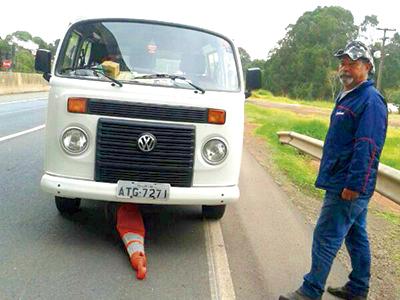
(46,256)
(21,115)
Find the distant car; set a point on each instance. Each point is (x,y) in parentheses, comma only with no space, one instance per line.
(393,108)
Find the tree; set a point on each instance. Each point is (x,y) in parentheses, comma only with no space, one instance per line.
(244,59)
(23,35)
(248,63)
(391,74)
(42,44)
(366,28)
(334,83)
(53,47)
(300,66)
(24,61)
(5,50)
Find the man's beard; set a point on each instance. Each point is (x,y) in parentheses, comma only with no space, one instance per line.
(346,79)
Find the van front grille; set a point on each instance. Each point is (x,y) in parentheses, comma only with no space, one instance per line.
(118,156)
(134,110)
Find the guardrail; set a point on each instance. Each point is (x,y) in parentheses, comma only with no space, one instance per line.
(388,182)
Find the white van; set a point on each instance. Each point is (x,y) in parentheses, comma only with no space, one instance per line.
(144,112)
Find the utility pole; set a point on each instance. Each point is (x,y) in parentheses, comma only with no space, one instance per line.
(12,58)
(379,80)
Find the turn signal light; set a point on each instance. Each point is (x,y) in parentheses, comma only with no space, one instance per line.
(216,116)
(77,105)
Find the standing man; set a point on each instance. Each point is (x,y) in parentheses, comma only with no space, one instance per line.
(348,173)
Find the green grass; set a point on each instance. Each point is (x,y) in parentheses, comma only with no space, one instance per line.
(298,168)
(267,95)
(317,126)
(287,158)
(391,150)
(396,257)
(391,217)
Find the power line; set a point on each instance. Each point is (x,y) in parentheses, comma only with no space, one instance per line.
(379,80)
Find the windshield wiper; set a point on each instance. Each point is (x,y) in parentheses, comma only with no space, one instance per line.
(96,71)
(172,77)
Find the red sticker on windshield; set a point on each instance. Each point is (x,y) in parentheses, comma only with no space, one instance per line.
(152,48)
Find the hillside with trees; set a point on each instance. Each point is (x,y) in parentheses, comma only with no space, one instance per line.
(303,66)
(20,47)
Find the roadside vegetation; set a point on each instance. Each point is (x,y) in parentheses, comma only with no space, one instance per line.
(300,171)
(391,151)
(269,122)
(273,120)
(267,95)
(19,47)
(394,116)
(302,65)
(391,217)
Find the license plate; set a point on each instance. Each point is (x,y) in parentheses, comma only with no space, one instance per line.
(146,190)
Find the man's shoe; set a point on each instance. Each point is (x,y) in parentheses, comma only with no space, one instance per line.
(297,295)
(344,293)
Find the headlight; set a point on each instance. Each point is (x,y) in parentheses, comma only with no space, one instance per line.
(74,141)
(214,151)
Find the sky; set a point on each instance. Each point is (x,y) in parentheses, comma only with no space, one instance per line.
(256,26)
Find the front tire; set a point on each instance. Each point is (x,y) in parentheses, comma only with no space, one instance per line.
(67,205)
(213,212)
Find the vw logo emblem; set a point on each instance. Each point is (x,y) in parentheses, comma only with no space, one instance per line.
(147,142)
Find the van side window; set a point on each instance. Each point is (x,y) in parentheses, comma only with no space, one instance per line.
(71,51)
(84,53)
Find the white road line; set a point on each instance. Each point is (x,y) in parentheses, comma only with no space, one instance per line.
(9,137)
(22,101)
(220,279)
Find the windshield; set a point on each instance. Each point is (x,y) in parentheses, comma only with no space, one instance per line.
(127,50)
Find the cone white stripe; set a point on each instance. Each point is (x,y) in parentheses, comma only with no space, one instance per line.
(135,247)
(130,236)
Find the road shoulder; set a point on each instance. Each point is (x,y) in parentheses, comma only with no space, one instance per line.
(268,241)
(383,234)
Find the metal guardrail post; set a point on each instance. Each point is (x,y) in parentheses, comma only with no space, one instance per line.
(302,142)
(388,182)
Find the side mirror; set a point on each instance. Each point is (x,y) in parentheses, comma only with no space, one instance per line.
(253,80)
(43,63)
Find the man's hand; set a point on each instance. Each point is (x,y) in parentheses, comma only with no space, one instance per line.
(349,194)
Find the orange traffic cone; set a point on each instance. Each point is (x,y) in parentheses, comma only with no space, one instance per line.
(131,230)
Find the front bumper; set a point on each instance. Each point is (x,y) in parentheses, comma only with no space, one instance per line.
(86,189)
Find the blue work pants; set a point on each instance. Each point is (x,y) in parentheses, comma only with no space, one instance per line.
(340,220)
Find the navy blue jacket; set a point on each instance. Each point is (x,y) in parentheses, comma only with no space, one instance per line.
(354,141)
